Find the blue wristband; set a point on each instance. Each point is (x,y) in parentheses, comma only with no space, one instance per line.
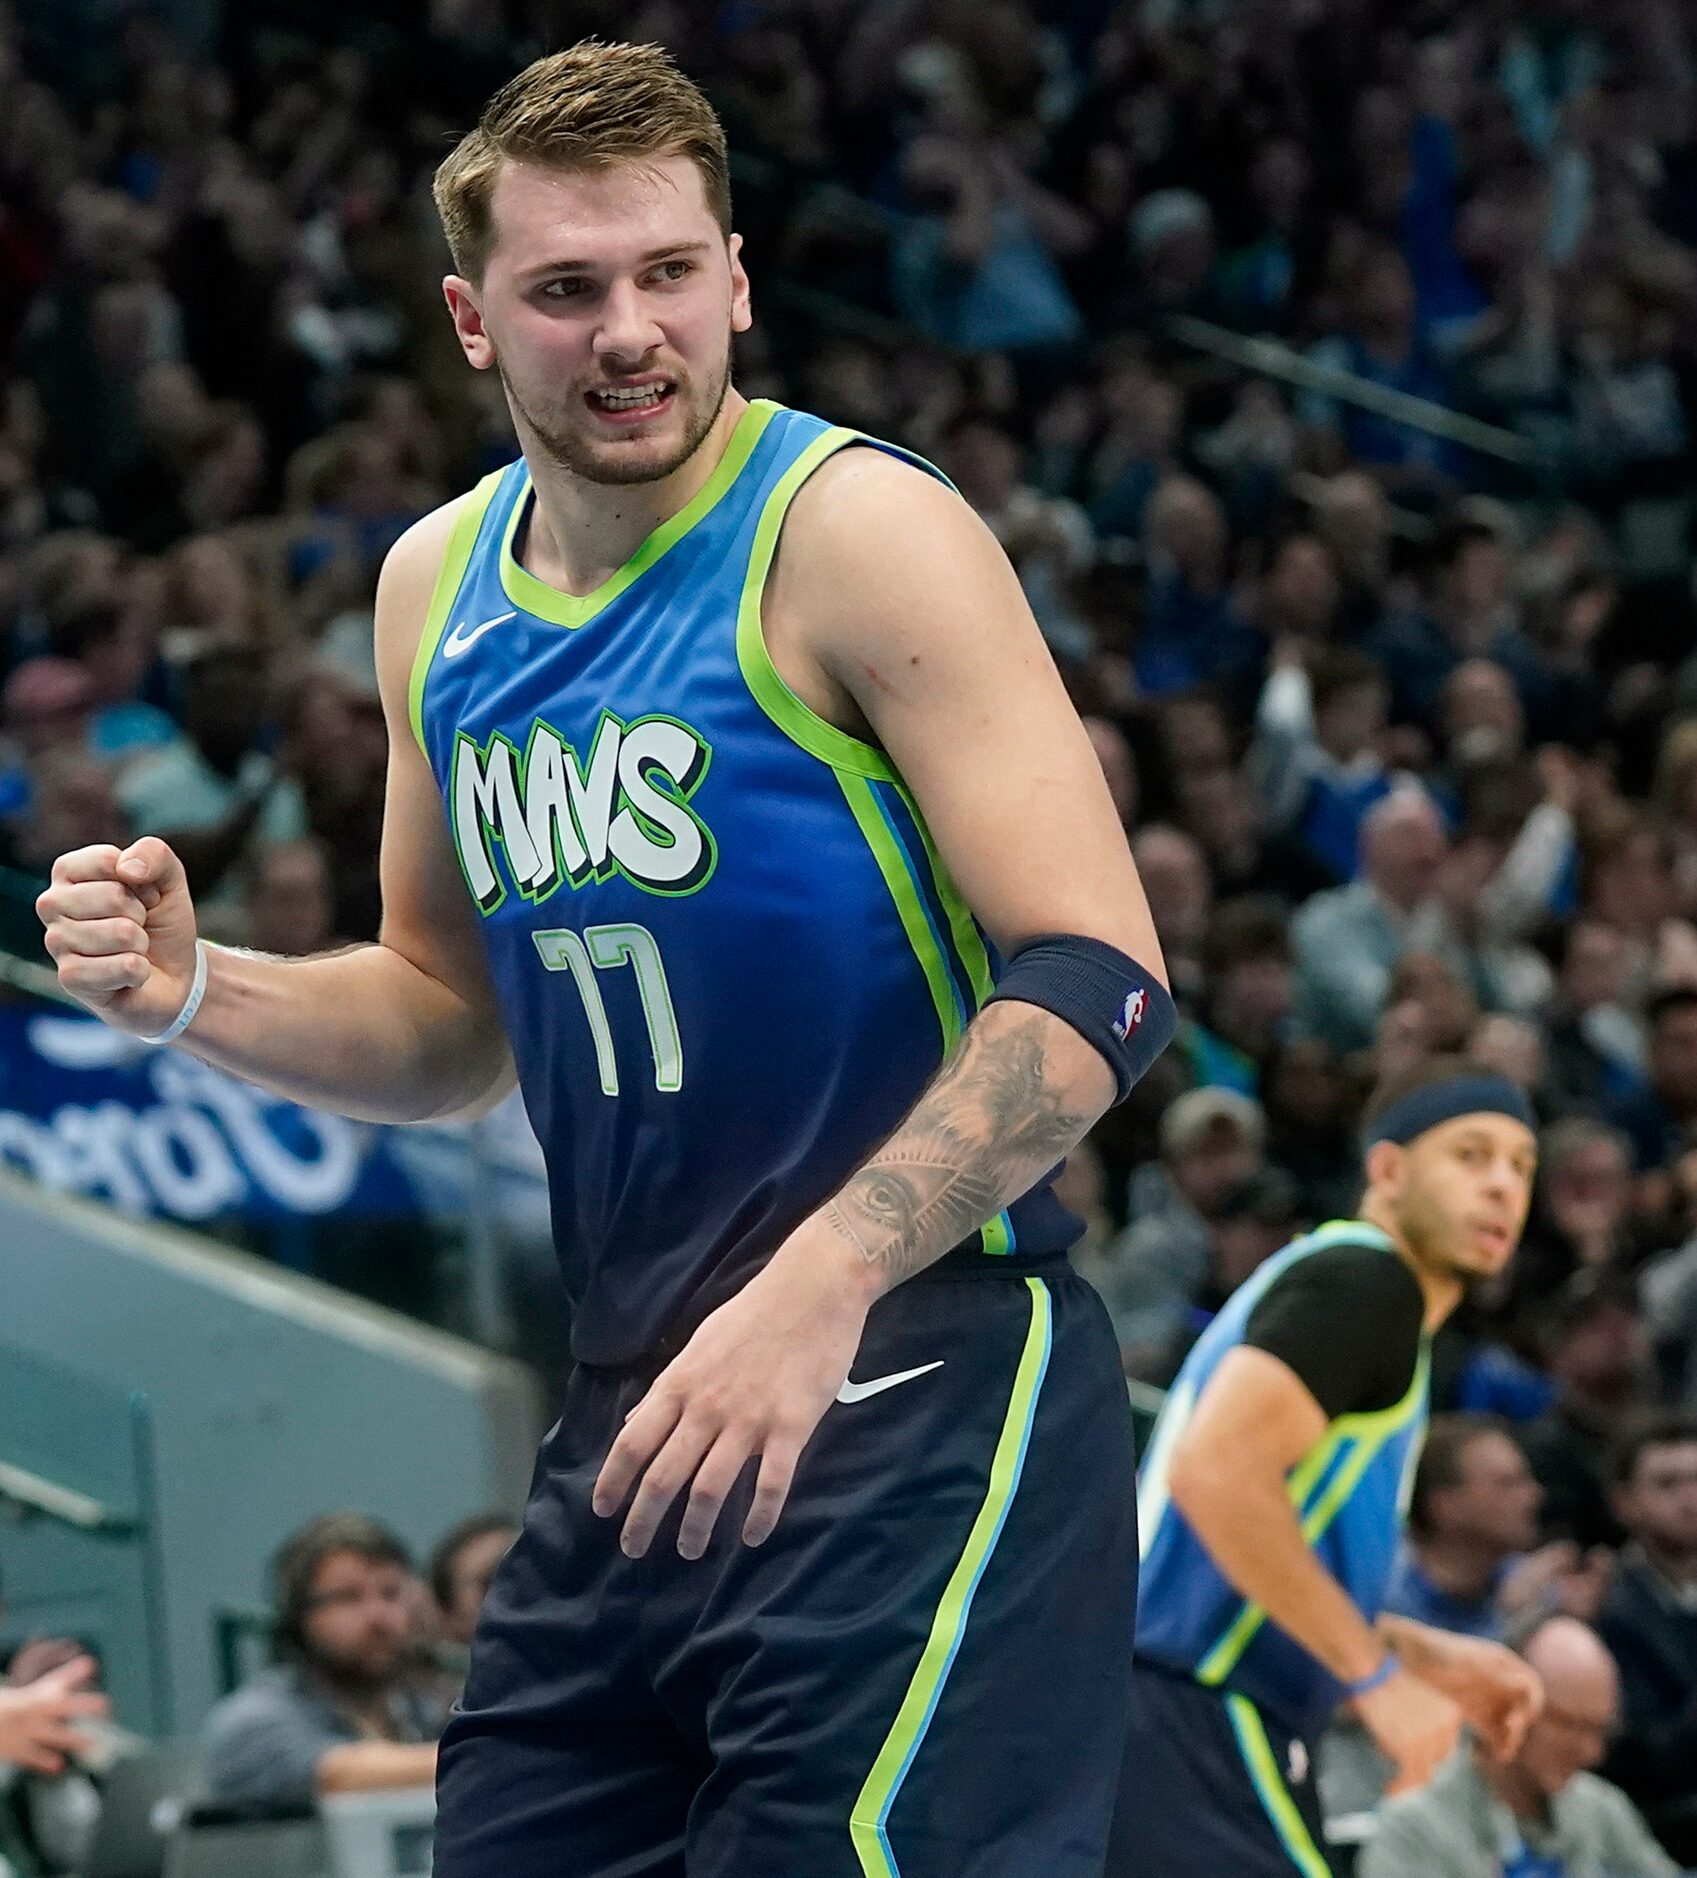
(1114,1003)
(1365,1685)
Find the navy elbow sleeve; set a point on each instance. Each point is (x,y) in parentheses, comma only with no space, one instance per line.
(1113,1003)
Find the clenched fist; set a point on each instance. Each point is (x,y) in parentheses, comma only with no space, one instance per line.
(121,929)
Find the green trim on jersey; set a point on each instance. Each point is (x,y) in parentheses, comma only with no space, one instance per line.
(869,1818)
(800,724)
(1153,1498)
(1270,1789)
(969,942)
(571,609)
(473,505)
(1368,1432)
(894,865)
(858,765)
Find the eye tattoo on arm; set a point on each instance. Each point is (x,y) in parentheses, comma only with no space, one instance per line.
(996,1117)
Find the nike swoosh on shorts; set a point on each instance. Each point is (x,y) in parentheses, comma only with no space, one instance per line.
(859,1391)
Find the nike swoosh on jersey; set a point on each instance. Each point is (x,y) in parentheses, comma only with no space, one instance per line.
(859,1391)
(459,640)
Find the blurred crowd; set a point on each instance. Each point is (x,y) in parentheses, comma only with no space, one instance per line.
(368,1651)
(1388,647)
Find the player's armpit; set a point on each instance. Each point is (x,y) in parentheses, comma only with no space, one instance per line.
(889,590)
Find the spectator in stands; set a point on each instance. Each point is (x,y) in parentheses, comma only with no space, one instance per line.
(1380,341)
(1669,1287)
(288,906)
(1468,1561)
(1180,890)
(214,791)
(1349,940)
(1048,539)
(1246,1011)
(1596,1348)
(974,264)
(1594,1041)
(1193,633)
(1544,1812)
(47,1690)
(1119,767)
(1211,1140)
(72,805)
(460,1570)
(1317,754)
(1312,1107)
(1649,1621)
(1660,1119)
(1252,1220)
(1468,613)
(337,1714)
(1582,1212)
(1353,518)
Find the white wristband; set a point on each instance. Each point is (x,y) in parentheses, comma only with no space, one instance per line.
(191,1003)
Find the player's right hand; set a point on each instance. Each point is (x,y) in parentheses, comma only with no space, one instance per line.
(121,929)
(33,1730)
(1415,1726)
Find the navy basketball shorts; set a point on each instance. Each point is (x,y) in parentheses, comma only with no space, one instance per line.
(1212,1787)
(923,1672)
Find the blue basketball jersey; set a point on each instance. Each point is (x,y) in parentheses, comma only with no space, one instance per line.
(1350,1490)
(727,954)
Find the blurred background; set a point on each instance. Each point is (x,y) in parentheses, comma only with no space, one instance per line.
(1326,369)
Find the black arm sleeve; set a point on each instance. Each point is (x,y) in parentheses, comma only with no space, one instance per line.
(1347,1320)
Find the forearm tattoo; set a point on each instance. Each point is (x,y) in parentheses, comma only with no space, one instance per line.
(996,1117)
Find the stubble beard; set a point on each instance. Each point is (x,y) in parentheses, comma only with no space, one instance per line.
(614,467)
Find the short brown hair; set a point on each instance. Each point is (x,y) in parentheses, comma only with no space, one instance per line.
(1658,1428)
(1443,1461)
(591,106)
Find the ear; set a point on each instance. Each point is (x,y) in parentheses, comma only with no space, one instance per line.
(1384,1165)
(475,342)
(742,313)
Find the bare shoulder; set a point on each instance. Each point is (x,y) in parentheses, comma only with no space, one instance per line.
(866,513)
(404,587)
(876,551)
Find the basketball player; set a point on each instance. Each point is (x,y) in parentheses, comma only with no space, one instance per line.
(1271,1503)
(737,809)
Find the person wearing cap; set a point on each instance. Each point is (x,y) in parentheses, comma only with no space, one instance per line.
(1254,1219)
(1211,1139)
(1270,1506)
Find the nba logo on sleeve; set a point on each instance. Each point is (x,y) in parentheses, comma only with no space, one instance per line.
(1132,1015)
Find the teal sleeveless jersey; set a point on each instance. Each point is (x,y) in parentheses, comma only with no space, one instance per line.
(727,954)
(1350,1491)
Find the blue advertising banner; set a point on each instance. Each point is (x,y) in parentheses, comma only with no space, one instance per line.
(85,1109)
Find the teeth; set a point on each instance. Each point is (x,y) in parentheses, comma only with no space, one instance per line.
(626,400)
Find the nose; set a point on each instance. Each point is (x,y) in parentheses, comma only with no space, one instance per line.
(628,331)
(1502,1177)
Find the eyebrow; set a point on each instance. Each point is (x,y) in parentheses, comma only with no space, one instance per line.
(671,251)
(1482,1138)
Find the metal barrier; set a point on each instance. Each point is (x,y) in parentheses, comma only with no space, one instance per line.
(1272,358)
